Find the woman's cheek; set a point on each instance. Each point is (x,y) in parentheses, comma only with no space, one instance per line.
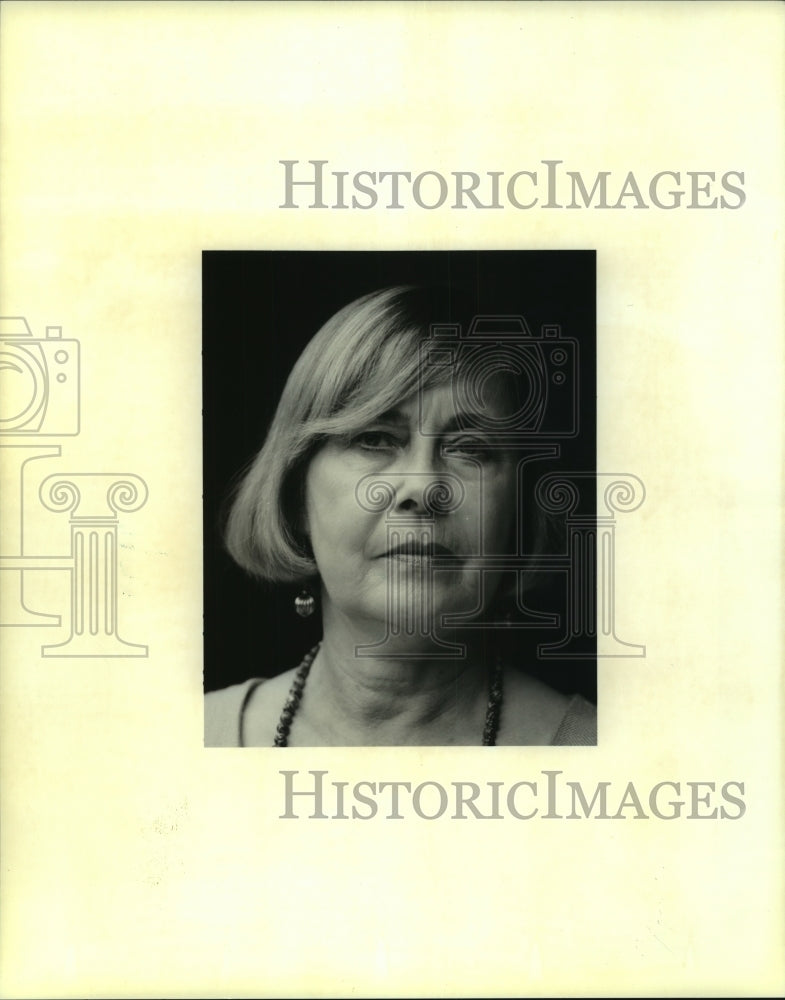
(499,510)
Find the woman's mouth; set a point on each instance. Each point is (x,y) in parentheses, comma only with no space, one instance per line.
(413,550)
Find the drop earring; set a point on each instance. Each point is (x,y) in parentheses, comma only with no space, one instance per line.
(304,603)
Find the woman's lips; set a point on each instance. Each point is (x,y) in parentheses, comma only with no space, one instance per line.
(417,551)
(421,554)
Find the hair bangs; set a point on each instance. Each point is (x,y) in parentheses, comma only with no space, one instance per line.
(380,383)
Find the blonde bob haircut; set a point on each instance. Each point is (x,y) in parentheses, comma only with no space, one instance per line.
(363,362)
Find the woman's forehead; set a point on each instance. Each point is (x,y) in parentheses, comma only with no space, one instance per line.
(445,405)
(434,404)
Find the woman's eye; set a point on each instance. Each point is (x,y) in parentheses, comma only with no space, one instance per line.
(468,446)
(375,441)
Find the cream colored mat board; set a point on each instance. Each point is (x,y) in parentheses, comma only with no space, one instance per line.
(135,136)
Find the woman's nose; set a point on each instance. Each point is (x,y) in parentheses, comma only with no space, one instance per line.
(414,473)
(410,502)
(410,492)
(422,487)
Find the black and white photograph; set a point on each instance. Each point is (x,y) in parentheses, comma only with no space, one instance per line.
(418,517)
(391,499)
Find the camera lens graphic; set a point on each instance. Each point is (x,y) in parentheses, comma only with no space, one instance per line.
(481,386)
(22,387)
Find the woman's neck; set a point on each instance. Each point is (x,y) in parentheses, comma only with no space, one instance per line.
(392,699)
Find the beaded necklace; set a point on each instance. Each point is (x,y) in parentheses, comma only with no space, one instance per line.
(293,699)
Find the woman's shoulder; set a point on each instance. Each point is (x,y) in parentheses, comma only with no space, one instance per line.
(535,714)
(245,714)
(223,713)
(579,724)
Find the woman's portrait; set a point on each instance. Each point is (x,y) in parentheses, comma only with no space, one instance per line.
(380,569)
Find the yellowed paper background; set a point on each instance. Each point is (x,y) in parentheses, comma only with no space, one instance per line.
(134,136)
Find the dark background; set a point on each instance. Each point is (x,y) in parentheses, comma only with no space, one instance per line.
(259,310)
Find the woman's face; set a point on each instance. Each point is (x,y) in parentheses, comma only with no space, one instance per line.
(384,544)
